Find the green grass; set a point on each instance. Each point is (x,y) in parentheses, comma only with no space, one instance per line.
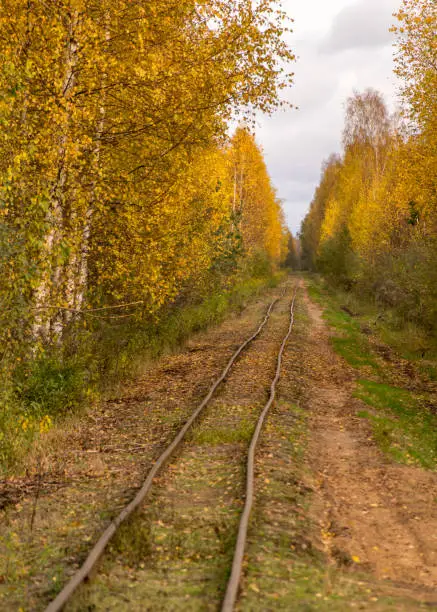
(408,339)
(403,426)
(411,342)
(350,343)
(226,435)
(355,351)
(50,387)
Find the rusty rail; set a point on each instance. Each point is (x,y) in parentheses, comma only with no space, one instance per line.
(96,552)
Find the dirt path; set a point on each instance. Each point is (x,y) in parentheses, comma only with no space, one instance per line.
(381,514)
(336,524)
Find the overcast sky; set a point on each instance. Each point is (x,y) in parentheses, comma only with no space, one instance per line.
(341,45)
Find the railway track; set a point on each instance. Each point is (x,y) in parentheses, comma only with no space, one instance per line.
(232,588)
(237,564)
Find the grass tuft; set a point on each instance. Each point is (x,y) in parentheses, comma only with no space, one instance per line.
(226,435)
(403,426)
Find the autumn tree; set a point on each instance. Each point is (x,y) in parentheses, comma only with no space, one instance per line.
(416,65)
(311,226)
(106,107)
(292,251)
(367,126)
(371,223)
(416,62)
(255,204)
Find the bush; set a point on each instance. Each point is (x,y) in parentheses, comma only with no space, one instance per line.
(337,260)
(50,386)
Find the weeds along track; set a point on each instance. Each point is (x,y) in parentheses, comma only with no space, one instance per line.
(94,555)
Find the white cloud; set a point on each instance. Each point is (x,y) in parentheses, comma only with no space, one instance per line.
(295,143)
(363,24)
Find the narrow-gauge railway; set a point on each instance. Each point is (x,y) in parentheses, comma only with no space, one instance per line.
(232,588)
(234,580)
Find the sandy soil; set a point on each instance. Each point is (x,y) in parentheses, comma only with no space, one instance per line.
(382,514)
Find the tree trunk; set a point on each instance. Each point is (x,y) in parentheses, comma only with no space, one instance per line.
(48,325)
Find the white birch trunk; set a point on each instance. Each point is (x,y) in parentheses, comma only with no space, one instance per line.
(45,325)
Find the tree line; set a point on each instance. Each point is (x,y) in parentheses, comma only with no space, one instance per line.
(121,192)
(372,225)
(113,161)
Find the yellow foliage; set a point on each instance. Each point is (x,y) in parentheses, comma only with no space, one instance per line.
(114,178)
(373,221)
(254,198)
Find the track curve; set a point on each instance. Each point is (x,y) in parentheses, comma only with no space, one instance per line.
(98,549)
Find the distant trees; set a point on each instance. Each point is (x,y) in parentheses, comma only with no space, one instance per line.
(292,252)
(312,224)
(372,224)
(254,200)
